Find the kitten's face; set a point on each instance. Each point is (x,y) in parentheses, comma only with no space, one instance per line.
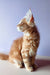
(22,26)
(26,23)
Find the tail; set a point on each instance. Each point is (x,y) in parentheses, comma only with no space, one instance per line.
(4,56)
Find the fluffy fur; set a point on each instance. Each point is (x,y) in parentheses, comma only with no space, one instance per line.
(23,49)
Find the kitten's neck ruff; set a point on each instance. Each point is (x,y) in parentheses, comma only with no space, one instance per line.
(30,31)
(27,35)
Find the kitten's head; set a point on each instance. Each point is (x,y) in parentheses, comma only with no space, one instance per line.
(27,22)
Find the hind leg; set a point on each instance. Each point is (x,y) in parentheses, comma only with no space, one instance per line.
(15,52)
(18,63)
(16,58)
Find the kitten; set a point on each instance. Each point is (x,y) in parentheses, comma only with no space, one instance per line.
(23,49)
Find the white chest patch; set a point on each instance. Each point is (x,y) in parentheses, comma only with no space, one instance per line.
(27,34)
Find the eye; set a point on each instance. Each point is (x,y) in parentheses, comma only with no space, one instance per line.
(21,27)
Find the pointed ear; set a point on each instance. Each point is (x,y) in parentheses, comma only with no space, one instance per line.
(32,19)
(32,23)
(29,16)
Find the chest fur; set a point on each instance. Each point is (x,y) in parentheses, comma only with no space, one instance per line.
(31,40)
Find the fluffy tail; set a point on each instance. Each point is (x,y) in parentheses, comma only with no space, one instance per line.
(4,56)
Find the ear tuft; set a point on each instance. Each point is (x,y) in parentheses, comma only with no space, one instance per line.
(32,19)
(29,16)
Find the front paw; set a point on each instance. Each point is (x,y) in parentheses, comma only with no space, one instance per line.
(30,69)
(35,66)
(19,65)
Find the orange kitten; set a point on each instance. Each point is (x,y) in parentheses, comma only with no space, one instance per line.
(23,49)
